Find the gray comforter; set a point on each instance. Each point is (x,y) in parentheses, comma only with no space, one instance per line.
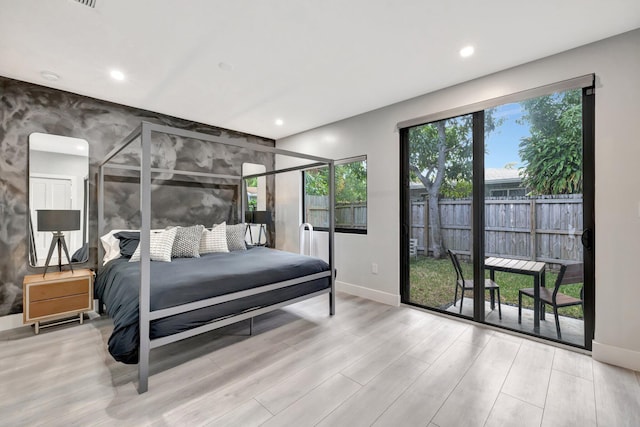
(186,280)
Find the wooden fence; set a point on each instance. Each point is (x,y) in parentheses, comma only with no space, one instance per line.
(545,228)
(538,228)
(348,215)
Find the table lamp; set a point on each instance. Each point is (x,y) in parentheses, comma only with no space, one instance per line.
(57,221)
(261,218)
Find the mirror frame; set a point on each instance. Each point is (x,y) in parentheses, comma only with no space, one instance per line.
(84,207)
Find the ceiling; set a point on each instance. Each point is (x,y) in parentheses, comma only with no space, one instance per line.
(242,64)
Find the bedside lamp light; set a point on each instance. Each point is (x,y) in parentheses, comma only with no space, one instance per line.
(57,221)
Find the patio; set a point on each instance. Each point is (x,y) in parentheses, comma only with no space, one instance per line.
(572,329)
(433,285)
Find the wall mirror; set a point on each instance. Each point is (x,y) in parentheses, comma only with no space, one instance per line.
(58,179)
(256,204)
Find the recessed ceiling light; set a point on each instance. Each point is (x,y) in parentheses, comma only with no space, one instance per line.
(225,66)
(117,75)
(279,122)
(466,51)
(49,75)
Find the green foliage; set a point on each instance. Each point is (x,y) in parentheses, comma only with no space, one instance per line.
(350,182)
(458,189)
(316,182)
(252,182)
(552,155)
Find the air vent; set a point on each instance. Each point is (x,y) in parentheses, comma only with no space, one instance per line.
(90,3)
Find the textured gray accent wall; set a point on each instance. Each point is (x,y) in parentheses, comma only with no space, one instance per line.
(26,108)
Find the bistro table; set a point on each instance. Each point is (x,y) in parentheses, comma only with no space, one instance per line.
(518,266)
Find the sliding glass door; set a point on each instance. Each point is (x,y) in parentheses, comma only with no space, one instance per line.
(497,209)
(440,161)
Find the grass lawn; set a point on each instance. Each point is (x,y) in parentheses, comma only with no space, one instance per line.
(433,285)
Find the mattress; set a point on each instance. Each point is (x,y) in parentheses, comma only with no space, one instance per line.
(186,280)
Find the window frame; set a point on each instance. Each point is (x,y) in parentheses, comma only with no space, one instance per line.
(337,229)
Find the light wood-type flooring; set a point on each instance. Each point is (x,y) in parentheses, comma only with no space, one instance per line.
(370,364)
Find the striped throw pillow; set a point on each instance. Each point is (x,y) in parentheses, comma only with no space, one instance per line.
(160,246)
(214,240)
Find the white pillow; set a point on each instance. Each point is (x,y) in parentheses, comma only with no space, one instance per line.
(160,246)
(111,246)
(214,240)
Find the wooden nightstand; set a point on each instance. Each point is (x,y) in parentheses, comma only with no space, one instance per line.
(56,295)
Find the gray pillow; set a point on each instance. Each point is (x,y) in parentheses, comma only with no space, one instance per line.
(235,237)
(187,242)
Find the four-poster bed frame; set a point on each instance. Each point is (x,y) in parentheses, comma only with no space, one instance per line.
(143,132)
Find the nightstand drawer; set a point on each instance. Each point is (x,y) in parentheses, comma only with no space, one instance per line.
(57,290)
(59,305)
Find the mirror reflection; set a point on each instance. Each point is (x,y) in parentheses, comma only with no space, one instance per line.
(58,180)
(256,201)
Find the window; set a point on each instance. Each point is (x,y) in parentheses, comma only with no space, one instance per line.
(351,196)
(507,192)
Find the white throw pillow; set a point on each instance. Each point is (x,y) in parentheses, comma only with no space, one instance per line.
(214,240)
(160,246)
(111,246)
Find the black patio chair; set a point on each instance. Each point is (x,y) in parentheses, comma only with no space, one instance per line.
(467,285)
(569,274)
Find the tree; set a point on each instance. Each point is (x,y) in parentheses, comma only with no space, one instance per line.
(441,157)
(552,155)
(253,201)
(350,182)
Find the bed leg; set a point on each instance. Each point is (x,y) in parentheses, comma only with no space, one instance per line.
(143,372)
(332,303)
(100,307)
(251,326)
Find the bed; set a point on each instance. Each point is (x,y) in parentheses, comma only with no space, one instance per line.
(186,280)
(156,303)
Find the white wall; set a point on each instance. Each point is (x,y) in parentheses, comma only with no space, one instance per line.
(616,63)
(41,162)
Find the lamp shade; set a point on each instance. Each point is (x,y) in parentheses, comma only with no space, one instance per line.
(58,220)
(261,217)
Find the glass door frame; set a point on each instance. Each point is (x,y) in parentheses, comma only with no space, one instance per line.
(478,209)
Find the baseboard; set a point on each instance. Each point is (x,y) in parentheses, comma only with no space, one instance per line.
(11,321)
(368,293)
(616,356)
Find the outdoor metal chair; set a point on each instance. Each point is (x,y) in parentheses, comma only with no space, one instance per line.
(413,248)
(467,285)
(569,273)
